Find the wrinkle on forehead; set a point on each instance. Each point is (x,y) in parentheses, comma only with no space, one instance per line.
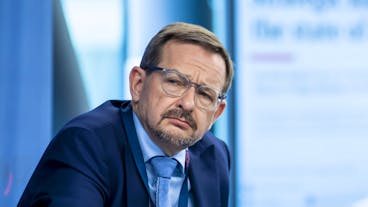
(200,76)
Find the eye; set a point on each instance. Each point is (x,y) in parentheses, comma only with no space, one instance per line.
(206,95)
(175,80)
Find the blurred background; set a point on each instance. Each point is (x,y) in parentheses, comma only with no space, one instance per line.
(297,116)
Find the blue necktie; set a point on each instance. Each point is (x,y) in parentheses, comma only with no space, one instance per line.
(164,168)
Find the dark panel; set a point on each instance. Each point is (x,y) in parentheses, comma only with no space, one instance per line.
(69,96)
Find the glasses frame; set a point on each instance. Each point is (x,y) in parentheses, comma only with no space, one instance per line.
(220,97)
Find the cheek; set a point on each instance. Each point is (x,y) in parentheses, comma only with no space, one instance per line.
(157,105)
(204,122)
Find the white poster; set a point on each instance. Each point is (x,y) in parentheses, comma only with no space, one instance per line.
(302,103)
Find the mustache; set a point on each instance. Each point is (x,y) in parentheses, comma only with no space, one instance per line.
(179,113)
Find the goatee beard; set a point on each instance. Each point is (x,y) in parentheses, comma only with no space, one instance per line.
(167,137)
(179,141)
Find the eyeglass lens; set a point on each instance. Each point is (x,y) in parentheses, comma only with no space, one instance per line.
(176,85)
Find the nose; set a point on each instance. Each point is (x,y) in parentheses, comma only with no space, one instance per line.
(187,101)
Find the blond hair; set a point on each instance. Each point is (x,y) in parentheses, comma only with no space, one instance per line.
(187,33)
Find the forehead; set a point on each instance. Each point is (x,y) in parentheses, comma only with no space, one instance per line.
(199,64)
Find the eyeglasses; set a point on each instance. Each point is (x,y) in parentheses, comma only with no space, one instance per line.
(175,84)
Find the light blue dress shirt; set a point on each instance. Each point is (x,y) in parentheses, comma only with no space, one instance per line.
(149,150)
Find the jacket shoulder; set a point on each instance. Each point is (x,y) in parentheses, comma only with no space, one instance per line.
(103,115)
(209,140)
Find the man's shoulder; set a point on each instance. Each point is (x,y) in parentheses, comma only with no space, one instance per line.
(100,127)
(106,114)
(210,140)
(216,148)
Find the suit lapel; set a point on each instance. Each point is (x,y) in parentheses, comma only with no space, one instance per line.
(203,175)
(134,161)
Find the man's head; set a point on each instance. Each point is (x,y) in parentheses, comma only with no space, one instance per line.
(178,90)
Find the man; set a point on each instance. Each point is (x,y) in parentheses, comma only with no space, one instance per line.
(105,157)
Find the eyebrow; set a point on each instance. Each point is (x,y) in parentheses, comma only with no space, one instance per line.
(190,78)
(204,84)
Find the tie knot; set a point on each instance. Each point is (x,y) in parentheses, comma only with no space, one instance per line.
(163,166)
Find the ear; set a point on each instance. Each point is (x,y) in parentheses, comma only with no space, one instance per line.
(136,78)
(219,110)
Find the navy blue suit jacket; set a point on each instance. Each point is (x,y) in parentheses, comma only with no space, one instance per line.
(95,161)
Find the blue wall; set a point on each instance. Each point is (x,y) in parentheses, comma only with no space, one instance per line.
(25,91)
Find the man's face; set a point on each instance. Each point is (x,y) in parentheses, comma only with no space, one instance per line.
(175,123)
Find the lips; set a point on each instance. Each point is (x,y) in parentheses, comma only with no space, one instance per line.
(180,118)
(180,122)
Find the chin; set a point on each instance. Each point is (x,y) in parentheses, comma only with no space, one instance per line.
(178,139)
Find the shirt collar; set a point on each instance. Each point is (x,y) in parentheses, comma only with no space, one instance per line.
(149,148)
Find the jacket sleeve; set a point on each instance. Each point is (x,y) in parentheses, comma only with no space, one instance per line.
(72,172)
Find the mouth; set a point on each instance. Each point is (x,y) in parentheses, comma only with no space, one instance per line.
(181,123)
(180,118)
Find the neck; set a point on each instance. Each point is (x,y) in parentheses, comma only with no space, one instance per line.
(168,149)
